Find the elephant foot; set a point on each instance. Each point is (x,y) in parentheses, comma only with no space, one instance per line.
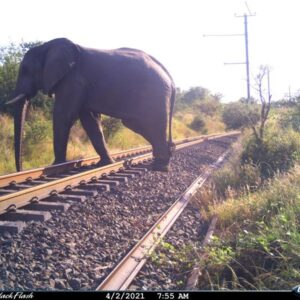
(161,165)
(105,162)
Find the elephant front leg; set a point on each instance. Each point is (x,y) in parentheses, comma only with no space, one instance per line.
(91,124)
(61,130)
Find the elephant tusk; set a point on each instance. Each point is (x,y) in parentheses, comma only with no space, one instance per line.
(16,99)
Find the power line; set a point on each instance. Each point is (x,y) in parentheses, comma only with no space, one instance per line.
(234,34)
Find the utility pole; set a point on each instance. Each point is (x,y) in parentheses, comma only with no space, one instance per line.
(245,34)
(247,55)
(245,16)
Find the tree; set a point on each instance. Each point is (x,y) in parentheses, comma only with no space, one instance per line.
(10,58)
(193,97)
(195,93)
(110,126)
(209,106)
(271,151)
(265,101)
(238,115)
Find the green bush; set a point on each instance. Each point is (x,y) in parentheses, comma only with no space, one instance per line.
(110,126)
(238,115)
(262,231)
(7,163)
(234,178)
(209,106)
(198,124)
(276,153)
(37,131)
(291,118)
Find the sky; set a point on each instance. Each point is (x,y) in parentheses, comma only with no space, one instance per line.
(173,31)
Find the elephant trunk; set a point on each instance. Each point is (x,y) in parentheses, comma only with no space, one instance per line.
(19,117)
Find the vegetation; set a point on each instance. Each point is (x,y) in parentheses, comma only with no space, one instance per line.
(256,199)
(238,115)
(198,124)
(291,116)
(257,242)
(278,152)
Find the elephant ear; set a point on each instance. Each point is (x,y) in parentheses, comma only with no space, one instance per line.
(60,59)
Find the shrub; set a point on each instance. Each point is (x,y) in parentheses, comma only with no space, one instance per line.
(237,115)
(276,153)
(111,126)
(209,106)
(262,232)
(198,124)
(6,146)
(234,178)
(291,118)
(37,131)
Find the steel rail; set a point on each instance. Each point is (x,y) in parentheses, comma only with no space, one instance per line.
(36,193)
(33,194)
(22,176)
(41,191)
(123,274)
(193,278)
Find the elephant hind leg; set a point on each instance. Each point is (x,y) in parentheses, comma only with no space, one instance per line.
(161,151)
(155,134)
(91,124)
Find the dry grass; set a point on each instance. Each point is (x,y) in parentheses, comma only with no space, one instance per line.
(38,148)
(214,124)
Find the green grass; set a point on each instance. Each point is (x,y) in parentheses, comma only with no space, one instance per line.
(7,164)
(257,241)
(261,232)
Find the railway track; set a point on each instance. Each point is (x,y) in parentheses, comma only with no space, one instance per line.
(13,182)
(124,273)
(58,187)
(23,188)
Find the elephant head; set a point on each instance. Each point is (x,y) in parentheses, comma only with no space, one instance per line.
(42,68)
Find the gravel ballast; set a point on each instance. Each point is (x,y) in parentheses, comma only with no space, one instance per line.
(76,249)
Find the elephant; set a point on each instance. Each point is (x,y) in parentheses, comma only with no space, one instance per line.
(123,83)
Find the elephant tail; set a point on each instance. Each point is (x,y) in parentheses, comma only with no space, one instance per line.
(171,145)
